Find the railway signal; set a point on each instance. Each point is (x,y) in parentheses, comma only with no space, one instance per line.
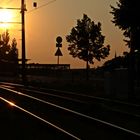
(59,41)
(58,45)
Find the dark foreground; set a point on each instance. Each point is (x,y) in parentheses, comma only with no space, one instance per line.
(16,125)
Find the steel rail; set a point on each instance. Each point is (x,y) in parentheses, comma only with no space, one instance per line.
(81,101)
(41,119)
(74,99)
(73,93)
(75,112)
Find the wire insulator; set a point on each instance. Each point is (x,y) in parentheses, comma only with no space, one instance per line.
(35,4)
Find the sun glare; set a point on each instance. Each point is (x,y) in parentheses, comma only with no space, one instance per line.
(12,104)
(6,16)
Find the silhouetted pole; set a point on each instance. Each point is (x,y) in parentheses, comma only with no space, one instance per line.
(58,60)
(87,63)
(131,68)
(87,70)
(23,9)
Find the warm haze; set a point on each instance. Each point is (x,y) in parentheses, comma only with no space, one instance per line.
(44,24)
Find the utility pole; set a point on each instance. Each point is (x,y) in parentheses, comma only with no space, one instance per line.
(23,9)
(131,68)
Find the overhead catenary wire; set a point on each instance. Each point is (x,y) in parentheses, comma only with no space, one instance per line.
(13,8)
(52,1)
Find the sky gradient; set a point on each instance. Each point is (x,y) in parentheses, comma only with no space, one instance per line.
(44,24)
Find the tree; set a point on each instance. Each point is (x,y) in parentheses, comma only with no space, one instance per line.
(86,41)
(126,17)
(8,54)
(4,45)
(13,52)
(8,51)
(117,62)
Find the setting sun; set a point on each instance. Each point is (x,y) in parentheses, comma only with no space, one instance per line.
(5,17)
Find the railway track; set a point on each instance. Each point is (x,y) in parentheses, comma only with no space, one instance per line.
(18,123)
(78,117)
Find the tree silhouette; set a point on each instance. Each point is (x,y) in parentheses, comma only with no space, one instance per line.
(4,45)
(8,54)
(126,17)
(13,52)
(86,41)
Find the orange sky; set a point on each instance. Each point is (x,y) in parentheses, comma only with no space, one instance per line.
(43,25)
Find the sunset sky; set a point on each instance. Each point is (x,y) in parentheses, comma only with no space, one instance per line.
(44,24)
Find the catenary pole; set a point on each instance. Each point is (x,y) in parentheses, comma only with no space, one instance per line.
(23,9)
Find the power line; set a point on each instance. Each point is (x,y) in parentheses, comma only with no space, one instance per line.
(52,1)
(10,22)
(10,8)
(22,9)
